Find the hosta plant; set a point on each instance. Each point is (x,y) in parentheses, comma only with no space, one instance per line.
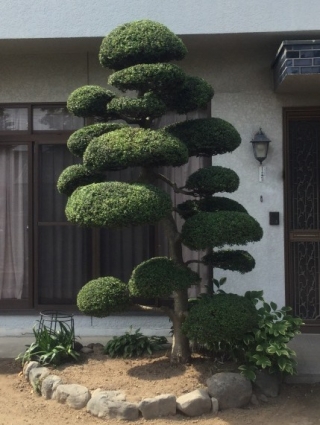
(134,344)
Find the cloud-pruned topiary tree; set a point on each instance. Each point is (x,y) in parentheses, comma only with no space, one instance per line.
(139,53)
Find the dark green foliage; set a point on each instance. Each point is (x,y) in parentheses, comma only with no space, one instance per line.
(75,176)
(102,297)
(79,140)
(89,101)
(156,77)
(210,204)
(206,136)
(210,180)
(148,106)
(134,345)
(208,230)
(140,42)
(51,346)
(221,317)
(238,260)
(129,147)
(159,277)
(265,346)
(194,94)
(116,204)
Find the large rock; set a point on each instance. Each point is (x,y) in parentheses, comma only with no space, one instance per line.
(36,376)
(162,405)
(112,404)
(76,396)
(230,389)
(267,384)
(49,385)
(28,366)
(195,403)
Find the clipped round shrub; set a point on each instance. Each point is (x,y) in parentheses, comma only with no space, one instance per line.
(210,204)
(236,261)
(147,106)
(206,136)
(129,147)
(141,41)
(89,101)
(194,94)
(117,204)
(75,176)
(148,77)
(208,230)
(222,317)
(79,140)
(210,180)
(103,296)
(159,277)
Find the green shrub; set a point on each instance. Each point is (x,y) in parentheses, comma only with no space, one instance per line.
(148,106)
(75,176)
(208,204)
(80,139)
(89,101)
(206,136)
(134,344)
(209,230)
(51,347)
(221,317)
(156,77)
(237,260)
(138,42)
(194,94)
(159,277)
(103,296)
(117,204)
(210,180)
(266,347)
(146,148)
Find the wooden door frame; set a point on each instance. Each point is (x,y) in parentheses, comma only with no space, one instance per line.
(288,114)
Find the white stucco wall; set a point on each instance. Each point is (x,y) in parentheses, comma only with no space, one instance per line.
(94,18)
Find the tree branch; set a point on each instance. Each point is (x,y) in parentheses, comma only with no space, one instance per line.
(139,307)
(193,261)
(173,185)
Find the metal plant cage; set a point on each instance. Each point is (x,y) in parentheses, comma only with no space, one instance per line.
(54,321)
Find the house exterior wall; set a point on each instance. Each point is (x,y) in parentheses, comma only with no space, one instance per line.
(241,75)
(80,18)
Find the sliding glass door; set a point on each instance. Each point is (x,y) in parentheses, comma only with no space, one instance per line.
(64,251)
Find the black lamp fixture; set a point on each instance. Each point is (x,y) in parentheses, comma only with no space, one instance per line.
(260,145)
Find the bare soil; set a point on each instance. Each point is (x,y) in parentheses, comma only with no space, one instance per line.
(141,378)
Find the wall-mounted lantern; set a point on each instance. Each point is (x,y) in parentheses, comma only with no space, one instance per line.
(260,145)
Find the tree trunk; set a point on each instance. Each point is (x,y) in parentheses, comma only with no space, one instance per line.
(180,344)
(180,352)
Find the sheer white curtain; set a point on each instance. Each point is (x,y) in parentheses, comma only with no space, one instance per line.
(13,222)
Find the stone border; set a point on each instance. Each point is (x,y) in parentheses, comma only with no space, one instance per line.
(224,390)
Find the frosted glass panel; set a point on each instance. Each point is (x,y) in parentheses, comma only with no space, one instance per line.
(13,119)
(55,118)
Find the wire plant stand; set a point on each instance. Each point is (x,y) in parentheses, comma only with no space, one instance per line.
(55,321)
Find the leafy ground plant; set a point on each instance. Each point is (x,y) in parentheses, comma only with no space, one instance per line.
(266,347)
(51,347)
(134,344)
